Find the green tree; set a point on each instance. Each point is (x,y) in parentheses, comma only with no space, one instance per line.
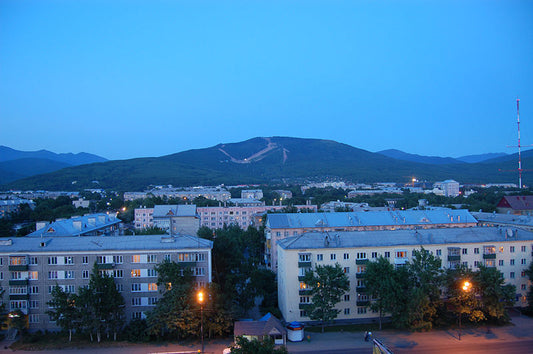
(425,281)
(328,283)
(381,286)
(463,299)
(494,293)
(529,273)
(63,310)
(264,346)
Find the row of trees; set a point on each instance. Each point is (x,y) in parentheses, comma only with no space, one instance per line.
(96,309)
(412,294)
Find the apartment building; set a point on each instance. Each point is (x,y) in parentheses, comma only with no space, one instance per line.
(217,217)
(30,268)
(509,252)
(279,226)
(251,194)
(86,225)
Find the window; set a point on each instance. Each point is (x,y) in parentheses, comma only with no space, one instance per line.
(523,287)
(304,257)
(152,258)
(136,301)
(465,264)
(135,287)
(34,289)
(200,257)
(34,304)
(85,259)
(489,250)
(136,315)
(387,254)
(135,273)
(305,300)
(33,318)
(199,271)
(346,311)
(319,257)
(438,252)
(152,273)
(152,287)
(476,250)
(85,274)
(490,263)
(346,297)
(167,257)
(135,258)
(303,313)
(374,255)
(70,289)
(346,270)
(511,249)
(511,275)
(52,260)
(33,275)
(69,260)
(523,274)
(361,310)
(17,260)
(118,273)
(511,262)
(476,263)
(69,274)
(500,262)
(401,254)
(16,275)
(152,301)
(333,256)
(120,287)
(362,255)
(523,261)
(52,274)
(346,256)
(361,269)
(464,251)
(523,248)
(34,261)
(118,259)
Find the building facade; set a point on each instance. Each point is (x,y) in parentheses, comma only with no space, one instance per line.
(31,267)
(492,247)
(280,226)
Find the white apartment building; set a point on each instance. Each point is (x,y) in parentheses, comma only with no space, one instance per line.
(31,267)
(508,251)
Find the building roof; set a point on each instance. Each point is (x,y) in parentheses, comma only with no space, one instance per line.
(372,218)
(265,326)
(517,202)
(77,225)
(382,238)
(510,219)
(98,244)
(174,210)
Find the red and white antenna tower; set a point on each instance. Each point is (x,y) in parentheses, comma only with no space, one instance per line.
(520,169)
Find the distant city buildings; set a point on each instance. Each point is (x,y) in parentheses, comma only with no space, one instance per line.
(448,188)
(252,194)
(87,225)
(516,204)
(214,193)
(13,205)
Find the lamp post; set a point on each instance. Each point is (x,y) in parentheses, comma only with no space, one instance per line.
(201,302)
(466,288)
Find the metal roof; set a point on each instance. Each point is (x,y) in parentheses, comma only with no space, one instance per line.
(174,210)
(77,225)
(444,236)
(370,218)
(96,244)
(518,220)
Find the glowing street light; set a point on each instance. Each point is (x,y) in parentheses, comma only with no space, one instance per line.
(466,288)
(201,302)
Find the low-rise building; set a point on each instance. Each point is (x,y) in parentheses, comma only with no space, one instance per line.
(177,219)
(279,226)
(511,253)
(251,194)
(87,225)
(448,188)
(516,204)
(31,267)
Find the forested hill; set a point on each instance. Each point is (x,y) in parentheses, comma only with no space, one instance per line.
(262,160)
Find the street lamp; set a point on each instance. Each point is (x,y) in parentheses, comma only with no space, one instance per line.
(466,288)
(201,302)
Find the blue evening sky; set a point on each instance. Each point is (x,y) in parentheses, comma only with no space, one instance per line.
(126,79)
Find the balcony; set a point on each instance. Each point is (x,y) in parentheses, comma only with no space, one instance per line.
(361,289)
(187,264)
(489,256)
(301,277)
(102,266)
(454,258)
(362,302)
(305,292)
(304,264)
(304,306)
(19,297)
(18,282)
(18,268)
(361,261)
(360,275)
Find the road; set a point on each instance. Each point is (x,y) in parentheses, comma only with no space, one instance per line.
(522,346)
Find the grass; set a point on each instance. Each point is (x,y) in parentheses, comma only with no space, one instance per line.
(47,341)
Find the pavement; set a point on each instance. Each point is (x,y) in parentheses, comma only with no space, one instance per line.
(519,331)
